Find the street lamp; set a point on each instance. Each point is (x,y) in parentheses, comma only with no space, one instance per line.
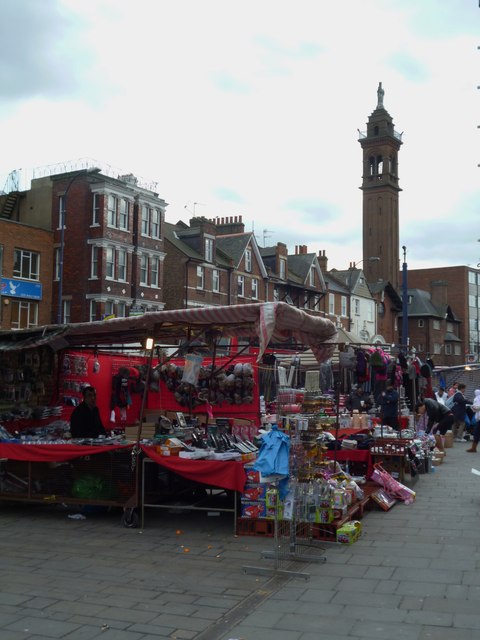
(404,300)
(63,215)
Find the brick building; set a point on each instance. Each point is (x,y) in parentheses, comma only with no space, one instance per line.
(106,258)
(25,274)
(459,288)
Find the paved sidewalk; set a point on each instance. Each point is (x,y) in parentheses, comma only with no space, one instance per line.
(412,576)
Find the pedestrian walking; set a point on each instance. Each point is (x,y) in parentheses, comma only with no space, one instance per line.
(476,430)
(459,410)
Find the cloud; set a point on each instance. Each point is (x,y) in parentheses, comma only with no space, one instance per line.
(41,51)
(225,193)
(408,66)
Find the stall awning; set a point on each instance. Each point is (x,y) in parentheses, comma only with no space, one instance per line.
(275,322)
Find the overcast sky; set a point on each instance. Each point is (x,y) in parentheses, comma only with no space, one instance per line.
(251,107)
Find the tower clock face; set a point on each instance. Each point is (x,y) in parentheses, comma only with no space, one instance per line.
(381,309)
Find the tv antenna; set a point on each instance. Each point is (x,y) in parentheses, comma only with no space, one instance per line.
(195,205)
(266,234)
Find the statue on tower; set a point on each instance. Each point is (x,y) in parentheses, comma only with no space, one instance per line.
(380,94)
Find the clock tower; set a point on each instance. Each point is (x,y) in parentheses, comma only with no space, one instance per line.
(381,236)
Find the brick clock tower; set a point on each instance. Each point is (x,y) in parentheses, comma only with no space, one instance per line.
(381,237)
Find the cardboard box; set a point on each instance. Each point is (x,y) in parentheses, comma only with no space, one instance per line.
(350,532)
(148,432)
(448,440)
(254,492)
(253,510)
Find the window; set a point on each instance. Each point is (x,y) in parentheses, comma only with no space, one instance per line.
(200,277)
(448,349)
(216,280)
(240,286)
(248,260)
(331,303)
(66,311)
(26,264)
(436,324)
(421,348)
(472,277)
(96,214)
(457,349)
(93,310)
(154,268)
(343,302)
(94,263)
(356,305)
(150,222)
(112,211)
(317,302)
(370,313)
(437,347)
(121,310)
(24,314)
(421,323)
(145,220)
(56,264)
(276,294)
(155,229)
(109,311)
(122,265)
(123,214)
(449,326)
(143,269)
(472,301)
(255,289)
(311,277)
(209,249)
(283,269)
(110,260)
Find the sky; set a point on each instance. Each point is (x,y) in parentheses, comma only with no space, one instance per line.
(252,108)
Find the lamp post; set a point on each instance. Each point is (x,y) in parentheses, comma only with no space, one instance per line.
(63,216)
(405,338)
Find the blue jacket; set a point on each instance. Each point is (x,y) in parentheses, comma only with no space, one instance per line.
(273,457)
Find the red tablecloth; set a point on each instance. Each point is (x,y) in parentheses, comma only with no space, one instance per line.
(226,474)
(353,455)
(51,452)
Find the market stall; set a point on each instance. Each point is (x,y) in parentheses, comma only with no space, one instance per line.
(254,325)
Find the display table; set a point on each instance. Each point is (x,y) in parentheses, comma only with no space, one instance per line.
(218,477)
(353,455)
(52,452)
(68,473)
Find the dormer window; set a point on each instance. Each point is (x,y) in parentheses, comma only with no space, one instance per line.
(311,277)
(248,260)
(283,269)
(209,249)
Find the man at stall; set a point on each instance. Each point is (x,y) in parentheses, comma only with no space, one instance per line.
(358,400)
(85,421)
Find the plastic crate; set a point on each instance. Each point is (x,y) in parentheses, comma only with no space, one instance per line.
(255,527)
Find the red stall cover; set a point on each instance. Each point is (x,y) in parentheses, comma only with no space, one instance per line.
(226,474)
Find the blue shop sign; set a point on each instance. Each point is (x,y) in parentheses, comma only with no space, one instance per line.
(20,289)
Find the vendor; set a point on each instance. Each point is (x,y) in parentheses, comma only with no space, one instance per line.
(358,400)
(85,421)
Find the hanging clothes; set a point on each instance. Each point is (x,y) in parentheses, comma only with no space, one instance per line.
(273,458)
